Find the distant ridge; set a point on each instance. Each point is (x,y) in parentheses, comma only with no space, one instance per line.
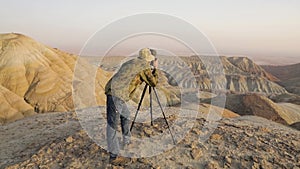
(242,76)
(289,76)
(284,72)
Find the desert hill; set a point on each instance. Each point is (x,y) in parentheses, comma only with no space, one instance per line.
(289,76)
(40,75)
(242,76)
(59,142)
(284,72)
(259,105)
(247,65)
(292,85)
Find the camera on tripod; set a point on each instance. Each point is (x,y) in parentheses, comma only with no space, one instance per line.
(153,52)
(152,64)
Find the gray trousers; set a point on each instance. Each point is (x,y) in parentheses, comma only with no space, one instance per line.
(116,109)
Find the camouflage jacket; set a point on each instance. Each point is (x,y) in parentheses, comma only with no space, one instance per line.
(131,74)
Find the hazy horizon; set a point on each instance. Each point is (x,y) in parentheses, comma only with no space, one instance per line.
(265,31)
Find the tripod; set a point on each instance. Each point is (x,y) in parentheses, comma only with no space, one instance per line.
(139,106)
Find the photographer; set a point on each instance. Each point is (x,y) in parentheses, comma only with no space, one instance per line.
(119,90)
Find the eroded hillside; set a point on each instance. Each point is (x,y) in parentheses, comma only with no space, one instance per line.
(37,78)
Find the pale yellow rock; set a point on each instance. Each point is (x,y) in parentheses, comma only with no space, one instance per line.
(12,106)
(69,139)
(221,112)
(43,77)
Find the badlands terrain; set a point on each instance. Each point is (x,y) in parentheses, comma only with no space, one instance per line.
(41,87)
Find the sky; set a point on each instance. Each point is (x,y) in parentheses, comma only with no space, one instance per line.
(267,31)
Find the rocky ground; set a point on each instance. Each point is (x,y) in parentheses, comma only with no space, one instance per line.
(57,140)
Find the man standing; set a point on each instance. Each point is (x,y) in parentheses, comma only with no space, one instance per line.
(119,90)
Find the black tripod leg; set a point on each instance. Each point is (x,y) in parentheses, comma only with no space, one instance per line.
(151,106)
(164,115)
(139,106)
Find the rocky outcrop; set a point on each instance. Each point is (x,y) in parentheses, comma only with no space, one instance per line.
(263,107)
(247,65)
(239,75)
(242,142)
(245,84)
(259,105)
(206,108)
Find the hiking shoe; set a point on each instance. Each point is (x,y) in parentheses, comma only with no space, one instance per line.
(119,161)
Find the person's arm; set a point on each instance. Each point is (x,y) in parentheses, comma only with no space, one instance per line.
(150,77)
